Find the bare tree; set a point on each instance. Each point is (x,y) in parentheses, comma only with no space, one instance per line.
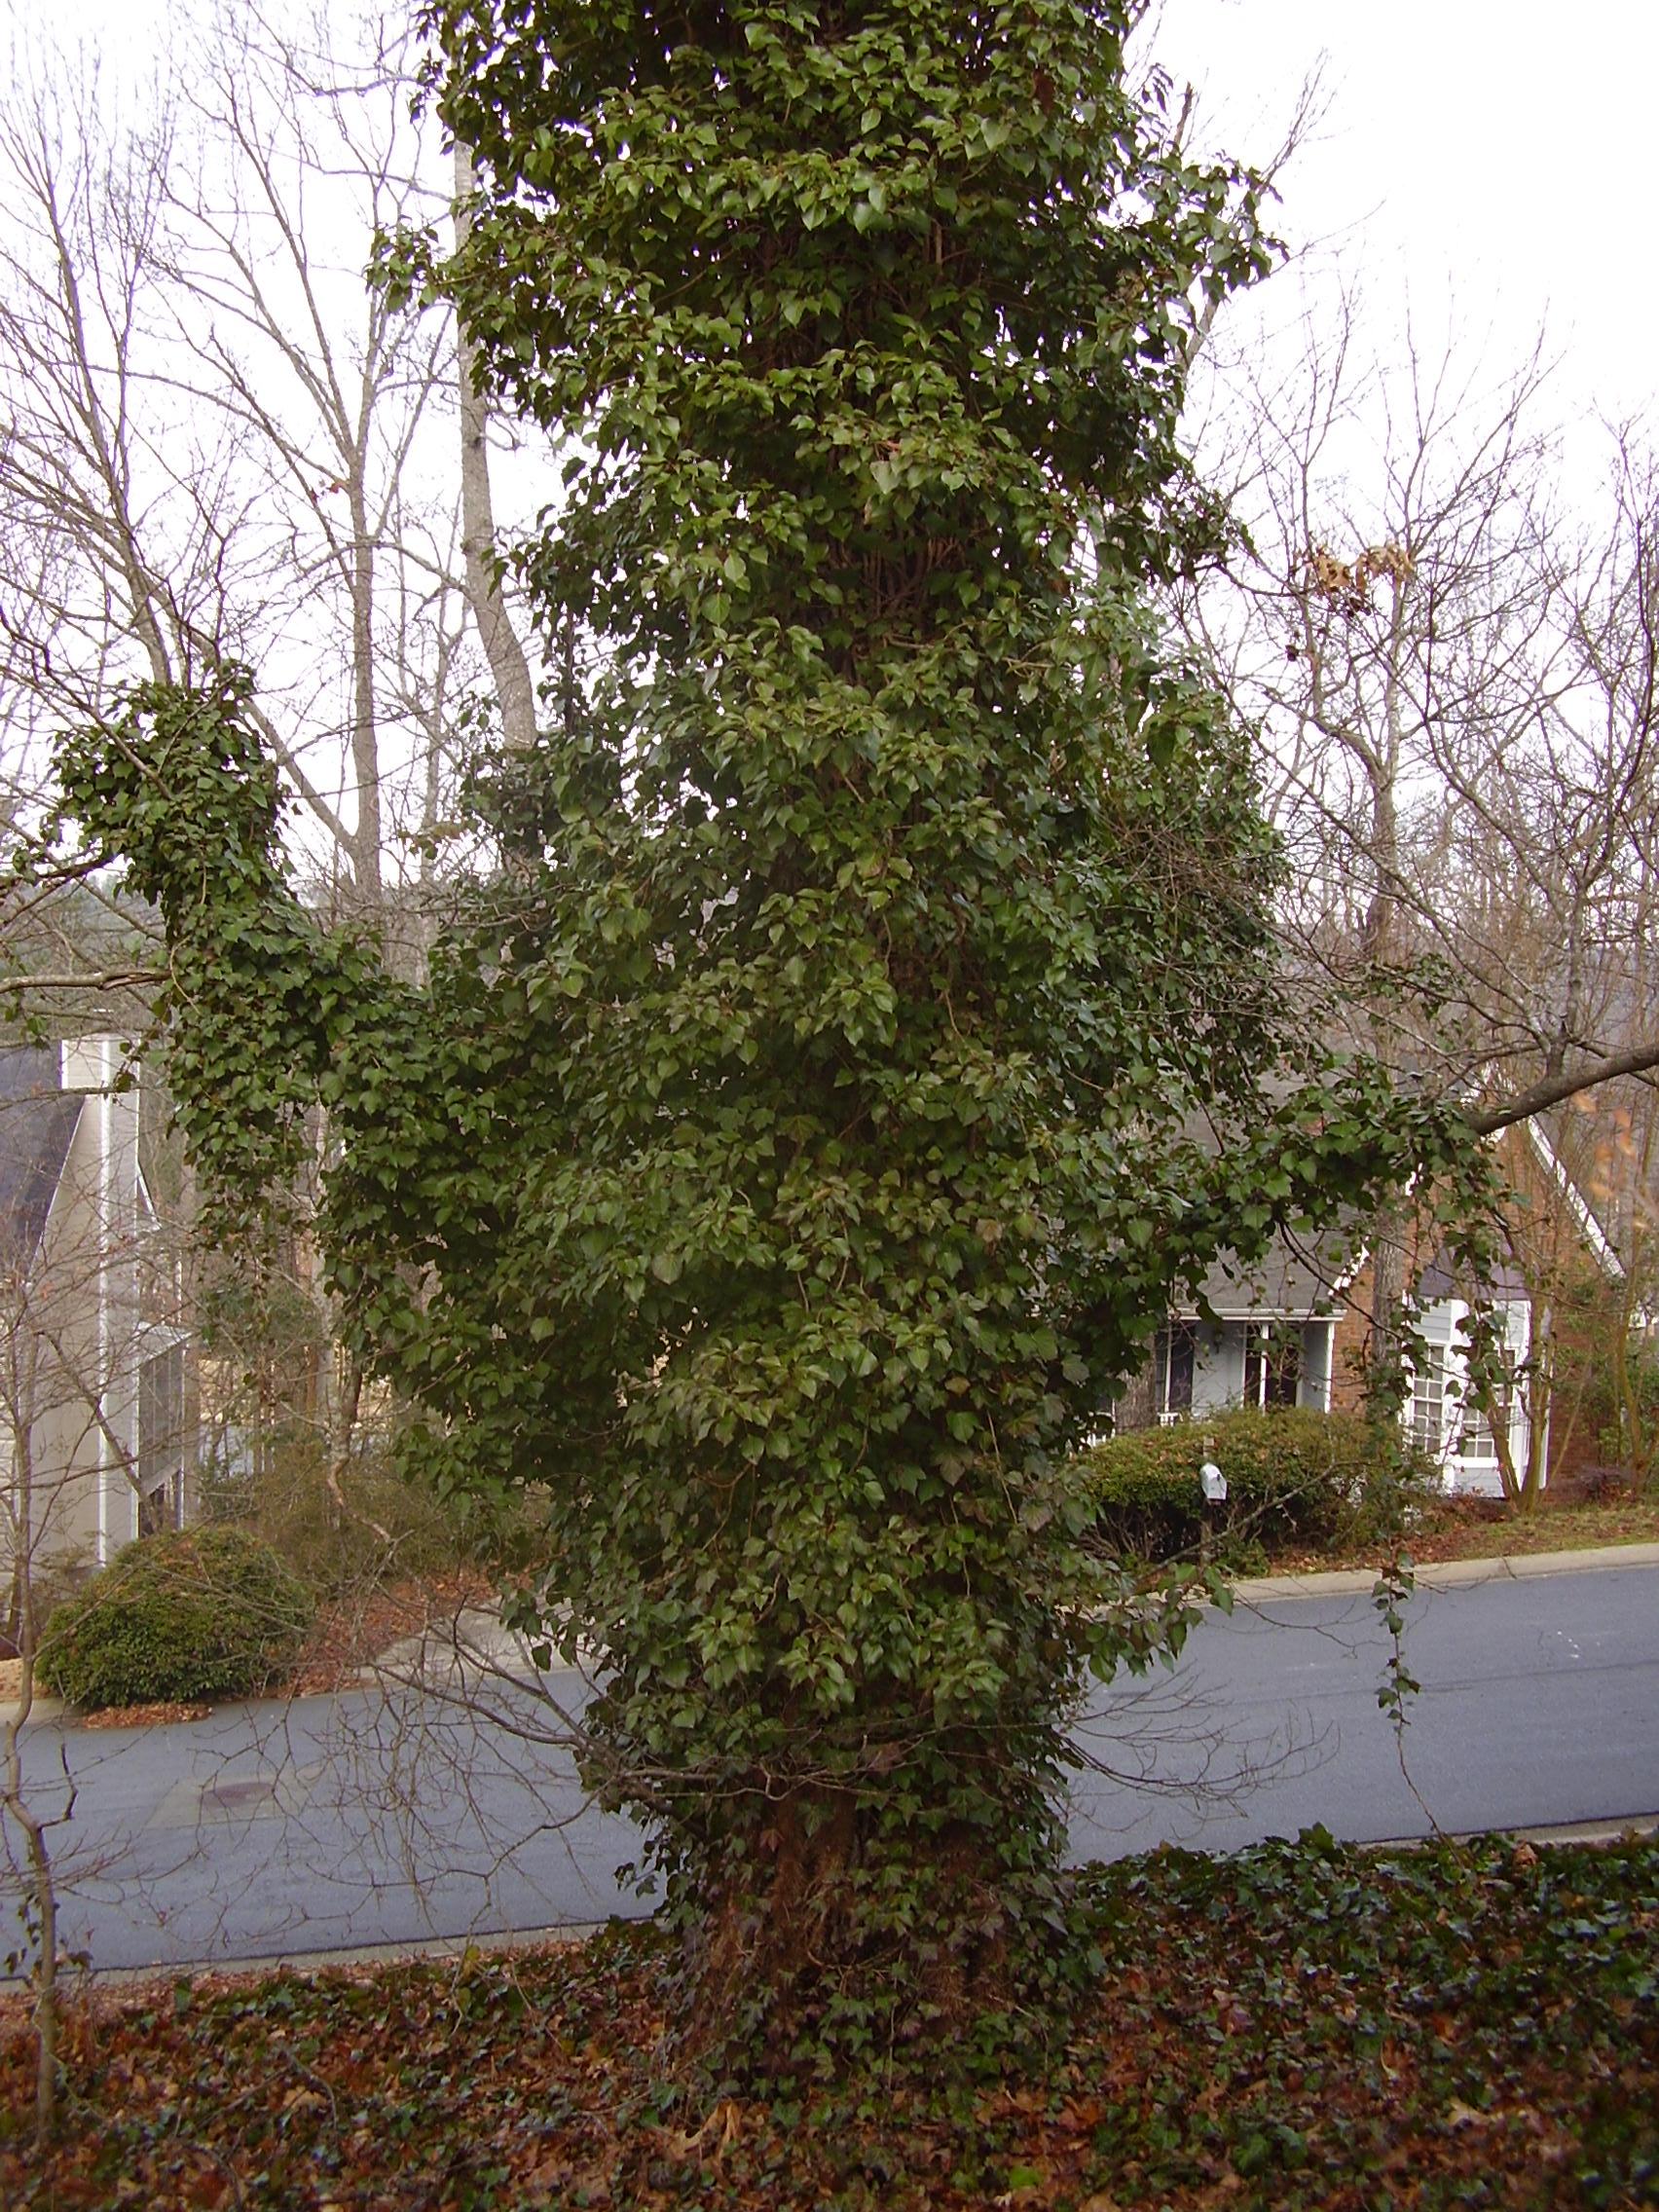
(1452,675)
(219,441)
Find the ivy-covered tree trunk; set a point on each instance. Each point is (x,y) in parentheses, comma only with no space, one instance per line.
(793,1142)
(891,891)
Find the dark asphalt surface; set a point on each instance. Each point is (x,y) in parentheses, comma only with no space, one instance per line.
(274,1829)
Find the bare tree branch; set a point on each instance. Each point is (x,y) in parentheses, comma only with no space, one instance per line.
(1551,1090)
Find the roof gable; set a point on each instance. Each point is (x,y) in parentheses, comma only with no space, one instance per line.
(37,1126)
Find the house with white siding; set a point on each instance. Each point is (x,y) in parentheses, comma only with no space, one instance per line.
(95,1442)
(1292,1329)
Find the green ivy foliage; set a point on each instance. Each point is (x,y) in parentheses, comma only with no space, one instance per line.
(198,1613)
(794,1140)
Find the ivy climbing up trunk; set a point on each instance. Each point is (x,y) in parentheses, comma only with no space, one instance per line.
(794,1141)
(862,876)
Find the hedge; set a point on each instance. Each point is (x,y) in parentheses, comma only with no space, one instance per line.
(189,1615)
(1292,1476)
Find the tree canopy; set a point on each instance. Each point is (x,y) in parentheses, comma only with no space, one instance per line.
(798,1131)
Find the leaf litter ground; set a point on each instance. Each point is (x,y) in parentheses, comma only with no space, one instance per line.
(1301,2025)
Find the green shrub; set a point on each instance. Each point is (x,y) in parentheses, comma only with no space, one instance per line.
(195,1613)
(1292,1476)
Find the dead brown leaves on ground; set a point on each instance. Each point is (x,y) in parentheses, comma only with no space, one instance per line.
(1301,2026)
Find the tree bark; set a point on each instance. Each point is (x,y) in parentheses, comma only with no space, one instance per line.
(510,669)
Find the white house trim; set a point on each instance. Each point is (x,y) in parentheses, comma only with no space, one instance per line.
(1437,1412)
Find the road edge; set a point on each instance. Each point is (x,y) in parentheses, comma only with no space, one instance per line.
(460,1948)
(1447,1574)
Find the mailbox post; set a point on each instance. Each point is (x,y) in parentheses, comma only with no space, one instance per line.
(1215,1494)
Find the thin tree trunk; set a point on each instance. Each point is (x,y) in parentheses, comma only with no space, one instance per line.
(365,744)
(41,1891)
(509,669)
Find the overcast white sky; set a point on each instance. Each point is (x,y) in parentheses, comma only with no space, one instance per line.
(1490,155)
(1493,152)
(1484,163)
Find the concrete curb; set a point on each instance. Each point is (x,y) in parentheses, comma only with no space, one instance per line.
(476,1647)
(433,1947)
(1447,1574)
(457,1948)
(1640,1827)
(44,1708)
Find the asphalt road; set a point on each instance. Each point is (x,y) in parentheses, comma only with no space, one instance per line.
(280,1829)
